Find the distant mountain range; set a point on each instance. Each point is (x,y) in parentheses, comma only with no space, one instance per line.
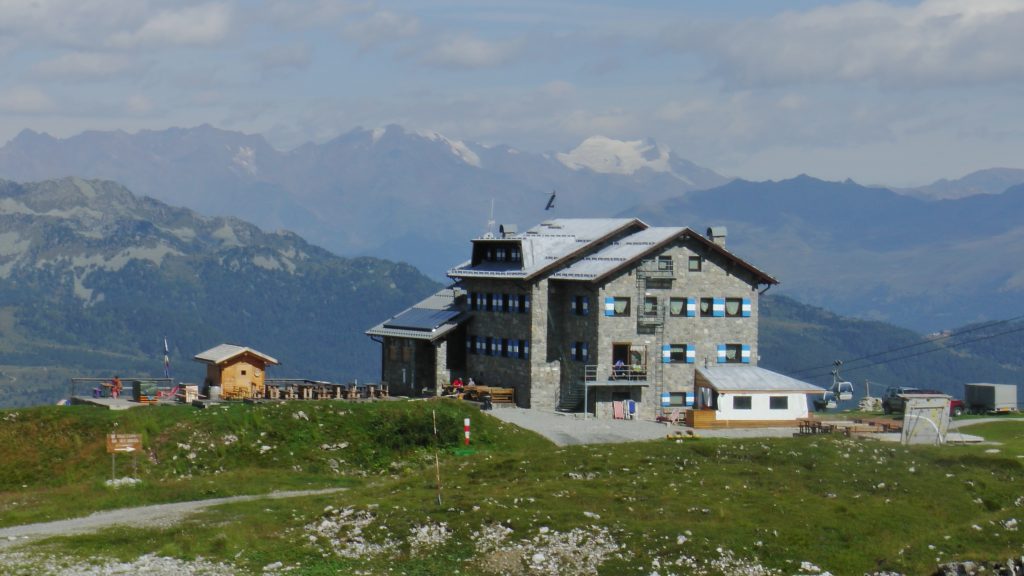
(803,341)
(988,181)
(871,252)
(409,196)
(93,278)
(895,255)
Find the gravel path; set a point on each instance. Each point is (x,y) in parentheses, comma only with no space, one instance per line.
(566,429)
(954,424)
(155,515)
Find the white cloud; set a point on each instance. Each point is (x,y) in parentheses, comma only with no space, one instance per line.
(558,89)
(467,51)
(933,42)
(286,57)
(86,65)
(65,22)
(309,13)
(138,104)
(381,27)
(25,100)
(199,25)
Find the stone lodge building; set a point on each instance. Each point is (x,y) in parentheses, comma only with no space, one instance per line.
(602,309)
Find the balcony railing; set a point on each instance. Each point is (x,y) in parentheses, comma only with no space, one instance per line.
(600,372)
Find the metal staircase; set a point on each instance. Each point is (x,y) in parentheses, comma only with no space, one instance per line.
(651,312)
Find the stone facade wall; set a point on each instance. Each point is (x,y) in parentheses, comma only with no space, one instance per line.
(568,328)
(716,279)
(552,328)
(498,370)
(442,373)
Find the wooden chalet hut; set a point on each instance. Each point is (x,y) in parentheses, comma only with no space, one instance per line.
(239,371)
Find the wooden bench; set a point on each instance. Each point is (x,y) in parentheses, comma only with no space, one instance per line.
(498,395)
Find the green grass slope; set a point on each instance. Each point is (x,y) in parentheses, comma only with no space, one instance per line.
(519,505)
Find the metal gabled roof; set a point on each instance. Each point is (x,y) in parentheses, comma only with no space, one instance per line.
(225,352)
(547,245)
(617,253)
(754,379)
(579,249)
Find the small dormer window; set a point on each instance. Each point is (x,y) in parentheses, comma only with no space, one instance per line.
(500,254)
(516,255)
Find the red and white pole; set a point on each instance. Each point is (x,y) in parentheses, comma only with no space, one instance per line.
(465,427)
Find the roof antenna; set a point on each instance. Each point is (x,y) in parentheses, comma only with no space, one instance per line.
(490,222)
(551,200)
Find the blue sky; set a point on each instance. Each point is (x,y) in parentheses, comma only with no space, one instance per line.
(899,93)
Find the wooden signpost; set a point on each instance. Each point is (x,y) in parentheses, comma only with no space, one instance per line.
(122,443)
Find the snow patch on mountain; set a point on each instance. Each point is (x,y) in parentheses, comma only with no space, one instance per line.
(457,147)
(377,134)
(609,156)
(12,206)
(245,159)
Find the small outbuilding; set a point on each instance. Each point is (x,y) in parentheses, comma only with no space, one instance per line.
(240,372)
(747,396)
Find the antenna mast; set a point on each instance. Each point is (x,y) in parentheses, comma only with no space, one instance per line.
(490,221)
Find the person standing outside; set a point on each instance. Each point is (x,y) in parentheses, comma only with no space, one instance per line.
(115,387)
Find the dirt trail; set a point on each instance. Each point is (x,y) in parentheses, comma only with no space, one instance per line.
(155,515)
(955,424)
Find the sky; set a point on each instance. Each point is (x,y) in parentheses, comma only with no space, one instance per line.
(896,93)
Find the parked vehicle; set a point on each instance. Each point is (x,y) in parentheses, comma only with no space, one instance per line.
(983,398)
(893,401)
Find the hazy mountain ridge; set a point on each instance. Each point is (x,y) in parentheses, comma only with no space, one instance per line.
(803,341)
(870,252)
(411,196)
(988,181)
(94,277)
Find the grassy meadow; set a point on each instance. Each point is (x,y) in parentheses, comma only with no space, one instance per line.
(517,504)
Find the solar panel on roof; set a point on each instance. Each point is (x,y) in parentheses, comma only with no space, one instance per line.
(421,319)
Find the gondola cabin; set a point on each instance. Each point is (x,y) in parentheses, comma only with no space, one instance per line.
(240,372)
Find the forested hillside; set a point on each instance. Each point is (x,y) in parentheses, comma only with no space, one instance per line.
(93,278)
(803,341)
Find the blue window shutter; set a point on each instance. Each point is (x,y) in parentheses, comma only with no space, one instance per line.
(718,307)
(691,353)
(691,307)
(609,306)
(481,344)
(746,308)
(721,353)
(666,354)
(513,348)
(586,353)
(745,354)
(526,349)
(586,305)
